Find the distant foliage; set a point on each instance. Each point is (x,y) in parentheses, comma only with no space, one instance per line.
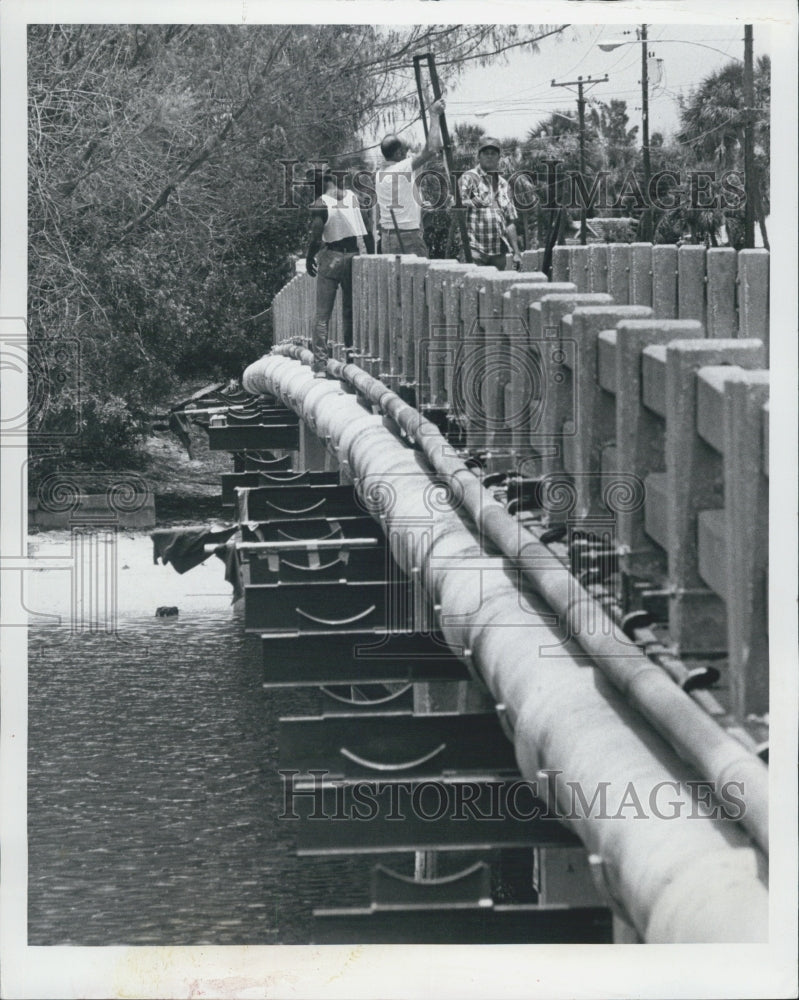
(619,230)
(711,137)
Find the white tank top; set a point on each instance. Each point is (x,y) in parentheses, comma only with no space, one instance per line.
(397,189)
(343,218)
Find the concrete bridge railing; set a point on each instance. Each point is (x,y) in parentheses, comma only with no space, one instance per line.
(726,290)
(563,381)
(676,877)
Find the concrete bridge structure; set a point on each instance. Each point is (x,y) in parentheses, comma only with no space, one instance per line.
(535,512)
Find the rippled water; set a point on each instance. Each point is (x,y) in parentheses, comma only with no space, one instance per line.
(153,785)
(153,788)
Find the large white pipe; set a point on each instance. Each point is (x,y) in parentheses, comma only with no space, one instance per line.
(689,878)
(714,753)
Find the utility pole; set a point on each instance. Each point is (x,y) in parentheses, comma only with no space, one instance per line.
(581,120)
(750,180)
(646,218)
(580,83)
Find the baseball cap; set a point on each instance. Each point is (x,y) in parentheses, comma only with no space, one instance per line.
(489,142)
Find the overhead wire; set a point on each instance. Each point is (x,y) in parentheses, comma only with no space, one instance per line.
(374,145)
(697,138)
(525,103)
(478,38)
(544,87)
(520,105)
(541,86)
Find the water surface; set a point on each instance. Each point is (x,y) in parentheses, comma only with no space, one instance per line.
(153,784)
(153,791)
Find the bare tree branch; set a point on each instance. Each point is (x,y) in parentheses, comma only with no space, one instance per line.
(211,144)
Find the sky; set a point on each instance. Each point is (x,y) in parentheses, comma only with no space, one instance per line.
(508,99)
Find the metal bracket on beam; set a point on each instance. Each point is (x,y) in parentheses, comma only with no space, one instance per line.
(256,462)
(263,476)
(389,745)
(471,885)
(300,501)
(254,437)
(599,876)
(324,605)
(356,697)
(293,659)
(459,813)
(504,720)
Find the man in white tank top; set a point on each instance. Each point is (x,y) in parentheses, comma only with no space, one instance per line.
(399,199)
(337,222)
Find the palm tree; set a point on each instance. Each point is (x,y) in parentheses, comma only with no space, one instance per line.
(466,139)
(712,132)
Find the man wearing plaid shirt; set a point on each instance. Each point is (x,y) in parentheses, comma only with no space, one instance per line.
(491,217)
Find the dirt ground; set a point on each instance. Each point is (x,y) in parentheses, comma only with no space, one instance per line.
(186,488)
(178,481)
(170,470)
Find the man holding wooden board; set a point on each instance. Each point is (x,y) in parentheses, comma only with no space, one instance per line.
(399,199)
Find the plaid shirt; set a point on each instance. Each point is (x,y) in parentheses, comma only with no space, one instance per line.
(489,213)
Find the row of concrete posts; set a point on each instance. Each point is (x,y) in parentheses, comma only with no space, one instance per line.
(648,412)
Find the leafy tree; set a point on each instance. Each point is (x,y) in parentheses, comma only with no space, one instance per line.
(609,148)
(162,219)
(613,141)
(466,138)
(711,136)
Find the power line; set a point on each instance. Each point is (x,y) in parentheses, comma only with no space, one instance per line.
(528,104)
(573,68)
(714,128)
(631,56)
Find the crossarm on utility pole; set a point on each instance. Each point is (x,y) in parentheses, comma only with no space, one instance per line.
(581,83)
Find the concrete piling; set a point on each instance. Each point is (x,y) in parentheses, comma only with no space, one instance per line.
(594,415)
(746,497)
(664,282)
(640,274)
(619,273)
(722,321)
(691,270)
(640,438)
(556,424)
(561,258)
(597,267)
(753,294)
